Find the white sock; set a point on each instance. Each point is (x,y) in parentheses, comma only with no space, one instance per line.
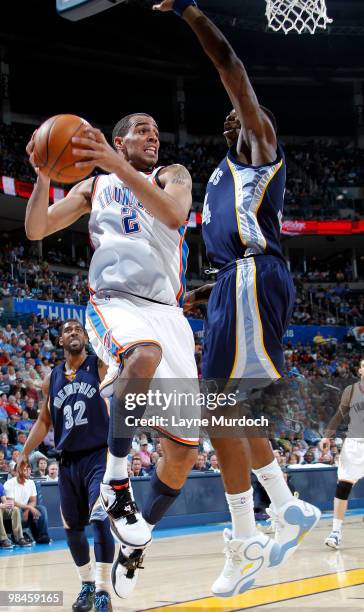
(241,508)
(337,524)
(103,576)
(87,572)
(272,480)
(116,468)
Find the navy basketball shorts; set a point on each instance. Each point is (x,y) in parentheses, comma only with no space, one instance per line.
(248,313)
(80,476)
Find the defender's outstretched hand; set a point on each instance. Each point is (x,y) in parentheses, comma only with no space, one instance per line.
(166,5)
(232,128)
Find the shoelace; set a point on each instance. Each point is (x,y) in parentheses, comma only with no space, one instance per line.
(102,603)
(86,589)
(234,556)
(276,522)
(124,506)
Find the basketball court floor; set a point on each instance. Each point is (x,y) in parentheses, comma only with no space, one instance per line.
(179,570)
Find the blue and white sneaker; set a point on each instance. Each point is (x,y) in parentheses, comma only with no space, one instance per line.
(334,540)
(292,522)
(102,602)
(245,561)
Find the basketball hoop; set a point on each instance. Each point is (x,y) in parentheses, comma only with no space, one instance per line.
(297,15)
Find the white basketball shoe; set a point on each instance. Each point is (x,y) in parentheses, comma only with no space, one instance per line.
(245,561)
(292,522)
(334,540)
(126,522)
(125,570)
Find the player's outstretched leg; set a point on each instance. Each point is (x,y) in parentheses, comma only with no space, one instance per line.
(116,493)
(292,518)
(343,490)
(248,552)
(164,487)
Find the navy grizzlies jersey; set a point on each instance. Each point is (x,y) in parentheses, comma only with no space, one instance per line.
(243,209)
(79,414)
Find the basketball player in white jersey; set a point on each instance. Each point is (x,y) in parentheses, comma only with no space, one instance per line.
(137,223)
(351,460)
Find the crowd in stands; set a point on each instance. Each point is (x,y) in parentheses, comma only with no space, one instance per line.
(23,275)
(336,304)
(302,401)
(315,169)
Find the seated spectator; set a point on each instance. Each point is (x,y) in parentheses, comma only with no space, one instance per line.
(47,446)
(41,471)
(4,465)
(154,458)
(3,419)
(25,423)
(14,460)
(21,440)
(200,465)
(31,408)
(53,471)
(293,459)
(144,454)
(12,408)
(214,466)
(8,510)
(136,467)
(308,457)
(24,492)
(5,447)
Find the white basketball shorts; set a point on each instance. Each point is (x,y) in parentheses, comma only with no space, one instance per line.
(351,460)
(115,325)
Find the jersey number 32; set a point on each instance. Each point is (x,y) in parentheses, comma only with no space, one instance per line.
(73,415)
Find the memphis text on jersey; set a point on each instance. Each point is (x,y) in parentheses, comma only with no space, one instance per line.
(75,388)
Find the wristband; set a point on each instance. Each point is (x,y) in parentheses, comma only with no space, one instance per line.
(180,6)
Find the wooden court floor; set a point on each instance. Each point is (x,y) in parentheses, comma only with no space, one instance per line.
(179,571)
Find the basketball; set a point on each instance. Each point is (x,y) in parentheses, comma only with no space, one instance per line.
(53,148)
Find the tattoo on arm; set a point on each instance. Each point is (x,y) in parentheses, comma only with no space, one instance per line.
(181,176)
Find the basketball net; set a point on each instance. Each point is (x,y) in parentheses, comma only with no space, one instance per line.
(297,15)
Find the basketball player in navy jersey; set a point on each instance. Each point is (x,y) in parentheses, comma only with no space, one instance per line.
(134,319)
(249,308)
(80,419)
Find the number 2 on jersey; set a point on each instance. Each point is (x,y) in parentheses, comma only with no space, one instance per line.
(74,416)
(129,220)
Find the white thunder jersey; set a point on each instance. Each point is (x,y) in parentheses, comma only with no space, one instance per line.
(356,413)
(134,253)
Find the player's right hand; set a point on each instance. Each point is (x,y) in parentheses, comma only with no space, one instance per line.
(23,461)
(189,301)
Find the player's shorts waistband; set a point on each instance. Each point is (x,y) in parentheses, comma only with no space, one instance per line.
(67,456)
(105,294)
(246,261)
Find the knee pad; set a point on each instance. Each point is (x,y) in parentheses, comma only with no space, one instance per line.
(343,489)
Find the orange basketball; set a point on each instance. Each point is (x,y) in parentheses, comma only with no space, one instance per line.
(53,148)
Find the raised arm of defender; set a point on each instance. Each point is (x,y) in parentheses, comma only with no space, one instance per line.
(233,75)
